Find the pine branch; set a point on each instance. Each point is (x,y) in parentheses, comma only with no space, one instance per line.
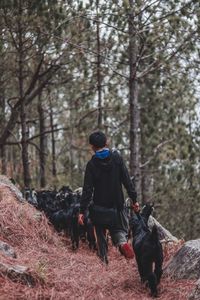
(158,63)
(168,14)
(155,152)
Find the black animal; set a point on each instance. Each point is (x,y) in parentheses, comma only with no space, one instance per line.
(88,230)
(65,197)
(62,209)
(46,202)
(148,249)
(67,221)
(31,196)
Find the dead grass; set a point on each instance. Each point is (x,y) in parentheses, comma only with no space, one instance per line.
(63,274)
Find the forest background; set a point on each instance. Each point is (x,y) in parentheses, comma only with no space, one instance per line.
(129,68)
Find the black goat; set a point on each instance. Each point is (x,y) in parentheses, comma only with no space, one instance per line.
(148,249)
(62,209)
(67,220)
(31,196)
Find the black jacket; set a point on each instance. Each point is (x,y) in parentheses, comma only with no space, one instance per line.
(103,182)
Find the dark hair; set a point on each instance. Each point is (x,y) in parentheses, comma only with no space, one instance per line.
(97,139)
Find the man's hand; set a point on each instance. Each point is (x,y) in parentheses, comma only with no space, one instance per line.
(136,207)
(81,219)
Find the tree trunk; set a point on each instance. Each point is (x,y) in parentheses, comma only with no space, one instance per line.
(191,210)
(42,143)
(53,142)
(3,160)
(25,158)
(2,120)
(99,78)
(135,159)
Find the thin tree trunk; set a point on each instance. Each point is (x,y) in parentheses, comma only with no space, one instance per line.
(99,78)
(191,184)
(53,142)
(135,158)
(14,155)
(25,158)
(3,160)
(2,117)
(42,143)
(2,121)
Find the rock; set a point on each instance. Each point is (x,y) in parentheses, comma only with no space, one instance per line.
(186,262)
(7,250)
(195,295)
(17,274)
(164,234)
(4,181)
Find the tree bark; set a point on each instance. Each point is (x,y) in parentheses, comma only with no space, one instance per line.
(3,160)
(2,116)
(2,121)
(135,158)
(53,142)
(42,143)
(25,157)
(99,78)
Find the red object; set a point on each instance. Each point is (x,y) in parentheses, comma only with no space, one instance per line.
(126,250)
(136,207)
(81,219)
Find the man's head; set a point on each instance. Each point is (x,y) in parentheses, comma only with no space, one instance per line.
(98,140)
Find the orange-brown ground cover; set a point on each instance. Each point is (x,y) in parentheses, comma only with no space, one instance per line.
(61,273)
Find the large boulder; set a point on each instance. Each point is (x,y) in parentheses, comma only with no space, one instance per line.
(186,262)
(195,295)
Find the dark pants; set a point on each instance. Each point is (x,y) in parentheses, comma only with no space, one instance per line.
(119,235)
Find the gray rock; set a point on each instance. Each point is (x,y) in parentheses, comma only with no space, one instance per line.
(186,262)
(17,274)
(195,295)
(7,250)
(164,234)
(4,181)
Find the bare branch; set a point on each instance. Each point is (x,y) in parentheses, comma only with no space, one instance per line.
(46,132)
(36,146)
(35,77)
(17,142)
(9,29)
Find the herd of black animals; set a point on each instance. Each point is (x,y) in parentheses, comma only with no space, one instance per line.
(62,209)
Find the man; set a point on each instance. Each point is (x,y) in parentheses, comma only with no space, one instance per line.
(104,176)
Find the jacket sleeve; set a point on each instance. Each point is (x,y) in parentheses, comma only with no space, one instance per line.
(88,187)
(127,182)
